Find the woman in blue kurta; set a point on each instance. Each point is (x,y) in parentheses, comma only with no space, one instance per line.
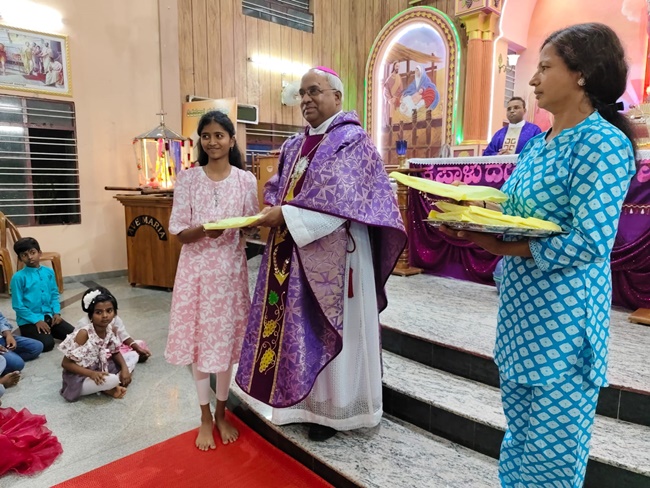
(555,298)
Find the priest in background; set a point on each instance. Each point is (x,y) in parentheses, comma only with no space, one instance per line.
(512,139)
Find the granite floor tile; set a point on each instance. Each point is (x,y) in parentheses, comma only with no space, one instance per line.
(392,455)
(634,408)
(463,315)
(161,402)
(619,444)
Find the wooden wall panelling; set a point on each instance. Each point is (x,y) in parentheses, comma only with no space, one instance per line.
(213,36)
(447,6)
(366,39)
(263,48)
(185,50)
(326,33)
(364,13)
(287,55)
(353,52)
(200,47)
(216,39)
(252,72)
(297,50)
(226,27)
(335,34)
(305,51)
(276,78)
(316,44)
(241,72)
(345,47)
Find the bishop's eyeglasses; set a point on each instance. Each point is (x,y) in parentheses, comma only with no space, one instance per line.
(314,91)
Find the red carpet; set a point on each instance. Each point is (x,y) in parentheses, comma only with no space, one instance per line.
(177,463)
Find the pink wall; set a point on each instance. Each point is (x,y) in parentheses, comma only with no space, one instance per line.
(517,15)
(627,17)
(116,86)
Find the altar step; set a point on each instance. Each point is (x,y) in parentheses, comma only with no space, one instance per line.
(450,325)
(469,413)
(395,454)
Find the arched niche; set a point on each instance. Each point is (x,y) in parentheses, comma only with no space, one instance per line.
(412,85)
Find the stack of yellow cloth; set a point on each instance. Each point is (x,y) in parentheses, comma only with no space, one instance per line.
(485,216)
(458,193)
(232,223)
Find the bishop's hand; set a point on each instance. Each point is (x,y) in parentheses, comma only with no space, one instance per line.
(270,217)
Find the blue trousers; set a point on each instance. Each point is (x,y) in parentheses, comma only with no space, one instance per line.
(548,432)
(26,350)
(3,364)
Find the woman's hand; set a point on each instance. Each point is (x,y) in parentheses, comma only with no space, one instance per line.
(489,242)
(212,234)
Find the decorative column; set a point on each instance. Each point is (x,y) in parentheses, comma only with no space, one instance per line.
(480,18)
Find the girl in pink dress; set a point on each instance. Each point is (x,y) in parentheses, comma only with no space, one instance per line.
(211,301)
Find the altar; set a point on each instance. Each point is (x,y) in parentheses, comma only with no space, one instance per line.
(439,254)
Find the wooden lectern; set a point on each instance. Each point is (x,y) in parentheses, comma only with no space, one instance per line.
(152,252)
(403,266)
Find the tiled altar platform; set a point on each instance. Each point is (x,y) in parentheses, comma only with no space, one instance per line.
(443,422)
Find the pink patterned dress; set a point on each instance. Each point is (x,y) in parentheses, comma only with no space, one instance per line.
(210,303)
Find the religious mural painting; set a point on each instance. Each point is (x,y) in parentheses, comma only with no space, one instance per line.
(412,73)
(34,61)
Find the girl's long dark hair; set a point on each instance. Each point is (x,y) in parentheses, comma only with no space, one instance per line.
(234,155)
(595,51)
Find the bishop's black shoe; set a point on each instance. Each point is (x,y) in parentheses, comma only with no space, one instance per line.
(320,433)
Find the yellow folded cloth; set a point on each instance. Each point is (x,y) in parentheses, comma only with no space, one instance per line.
(232,223)
(485,216)
(462,192)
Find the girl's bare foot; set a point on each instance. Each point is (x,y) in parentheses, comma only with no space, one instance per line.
(117,392)
(10,379)
(205,437)
(227,431)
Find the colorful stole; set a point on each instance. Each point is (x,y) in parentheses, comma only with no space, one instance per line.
(511,140)
(280,254)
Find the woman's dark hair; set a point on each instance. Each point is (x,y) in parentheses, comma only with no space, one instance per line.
(104,296)
(234,155)
(595,51)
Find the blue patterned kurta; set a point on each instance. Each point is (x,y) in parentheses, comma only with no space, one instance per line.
(553,323)
(555,304)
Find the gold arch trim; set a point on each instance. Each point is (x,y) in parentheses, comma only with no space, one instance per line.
(435,19)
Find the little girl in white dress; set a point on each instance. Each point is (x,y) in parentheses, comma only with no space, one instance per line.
(93,362)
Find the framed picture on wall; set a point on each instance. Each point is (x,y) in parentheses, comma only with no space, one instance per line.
(34,61)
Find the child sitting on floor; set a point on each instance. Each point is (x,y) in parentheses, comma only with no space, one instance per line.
(128,343)
(92,358)
(35,297)
(16,349)
(7,380)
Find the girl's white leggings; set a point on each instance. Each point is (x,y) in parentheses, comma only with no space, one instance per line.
(112,380)
(203,389)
